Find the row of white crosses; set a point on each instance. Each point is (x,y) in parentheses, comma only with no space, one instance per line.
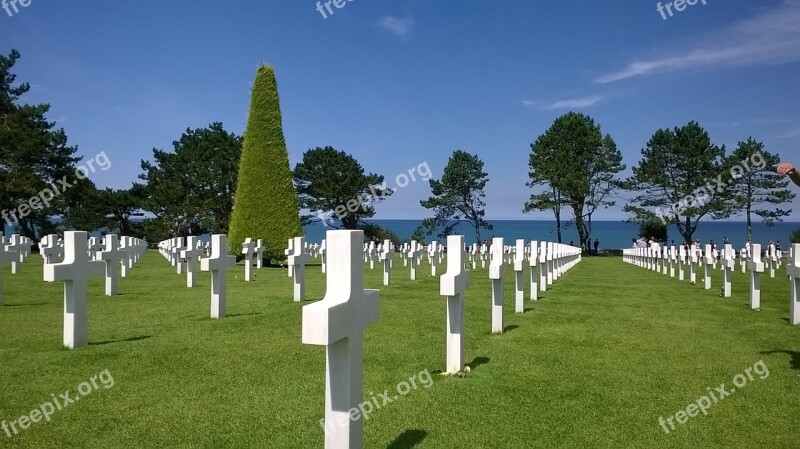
(75,271)
(552,260)
(20,246)
(217,263)
(338,321)
(648,257)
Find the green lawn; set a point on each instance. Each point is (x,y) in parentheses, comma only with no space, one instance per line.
(594,363)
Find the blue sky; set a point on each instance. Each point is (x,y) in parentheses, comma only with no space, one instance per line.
(404,82)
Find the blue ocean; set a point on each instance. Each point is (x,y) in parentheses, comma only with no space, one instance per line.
(612,234)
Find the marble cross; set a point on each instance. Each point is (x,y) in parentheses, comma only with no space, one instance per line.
(298,260)
(497,269)
(7,254)
(218,264)
(453,284)
(75,271)
(387,254)
(248,250)
(728,263)
(793,271)
(519,284)
(709,265)
(111,257)
(756,267)
(532,261)
(191,254)
(260,254)
(338,322)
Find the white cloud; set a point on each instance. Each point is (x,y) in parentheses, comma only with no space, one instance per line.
(572,103)
(772,37)
(397,26)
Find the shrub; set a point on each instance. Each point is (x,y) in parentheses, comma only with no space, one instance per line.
(265,206)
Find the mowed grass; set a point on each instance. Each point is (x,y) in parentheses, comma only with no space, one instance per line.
(594,363)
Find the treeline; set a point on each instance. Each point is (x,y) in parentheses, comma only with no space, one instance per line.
(575,170)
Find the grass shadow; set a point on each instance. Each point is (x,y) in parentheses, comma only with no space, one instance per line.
(795,357)
(408,439)
(26,305)
(477,361)
(529,309)
(234,315)
(108,342)
(510,328)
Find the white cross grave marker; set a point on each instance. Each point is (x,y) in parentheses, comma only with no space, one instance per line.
(413,252)
(323,254)
(387,254)
(710,261)
(756,267)
(728,263)
(338,322)
(48,248)
(453,284)
(75,271)
(111,257)
(248,250)
(218,264)
(298,260)
(260,254)
(793,271)
(433,250)
(497,268)
(191,254)
(6,255)
(519,267)
(773,260)
(532,261)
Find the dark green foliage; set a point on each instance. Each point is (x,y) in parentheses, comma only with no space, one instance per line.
(197,180)
(654,229)
(418,235)
(756,188)
(577,165)
(332,185)
(266,200)
(795,237)
(156,229)
(33,153)
(675,180)
(109,209)
(378,233)
(458,196)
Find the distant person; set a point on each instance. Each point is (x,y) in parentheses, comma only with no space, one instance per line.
(596,247)
(725,241)
(787,169)
(778,246)
(634,243)
(184,228)
(571,243)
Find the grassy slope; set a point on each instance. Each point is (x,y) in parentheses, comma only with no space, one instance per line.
(594,364)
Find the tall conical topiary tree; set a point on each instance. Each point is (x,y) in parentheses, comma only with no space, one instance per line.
(266,201)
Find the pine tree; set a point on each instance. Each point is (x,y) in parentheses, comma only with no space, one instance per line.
(756,186)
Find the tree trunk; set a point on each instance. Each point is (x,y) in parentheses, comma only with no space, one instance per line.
(580,225)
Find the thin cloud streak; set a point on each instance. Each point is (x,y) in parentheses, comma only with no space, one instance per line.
(400,27)
(573,103)
(770,38)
